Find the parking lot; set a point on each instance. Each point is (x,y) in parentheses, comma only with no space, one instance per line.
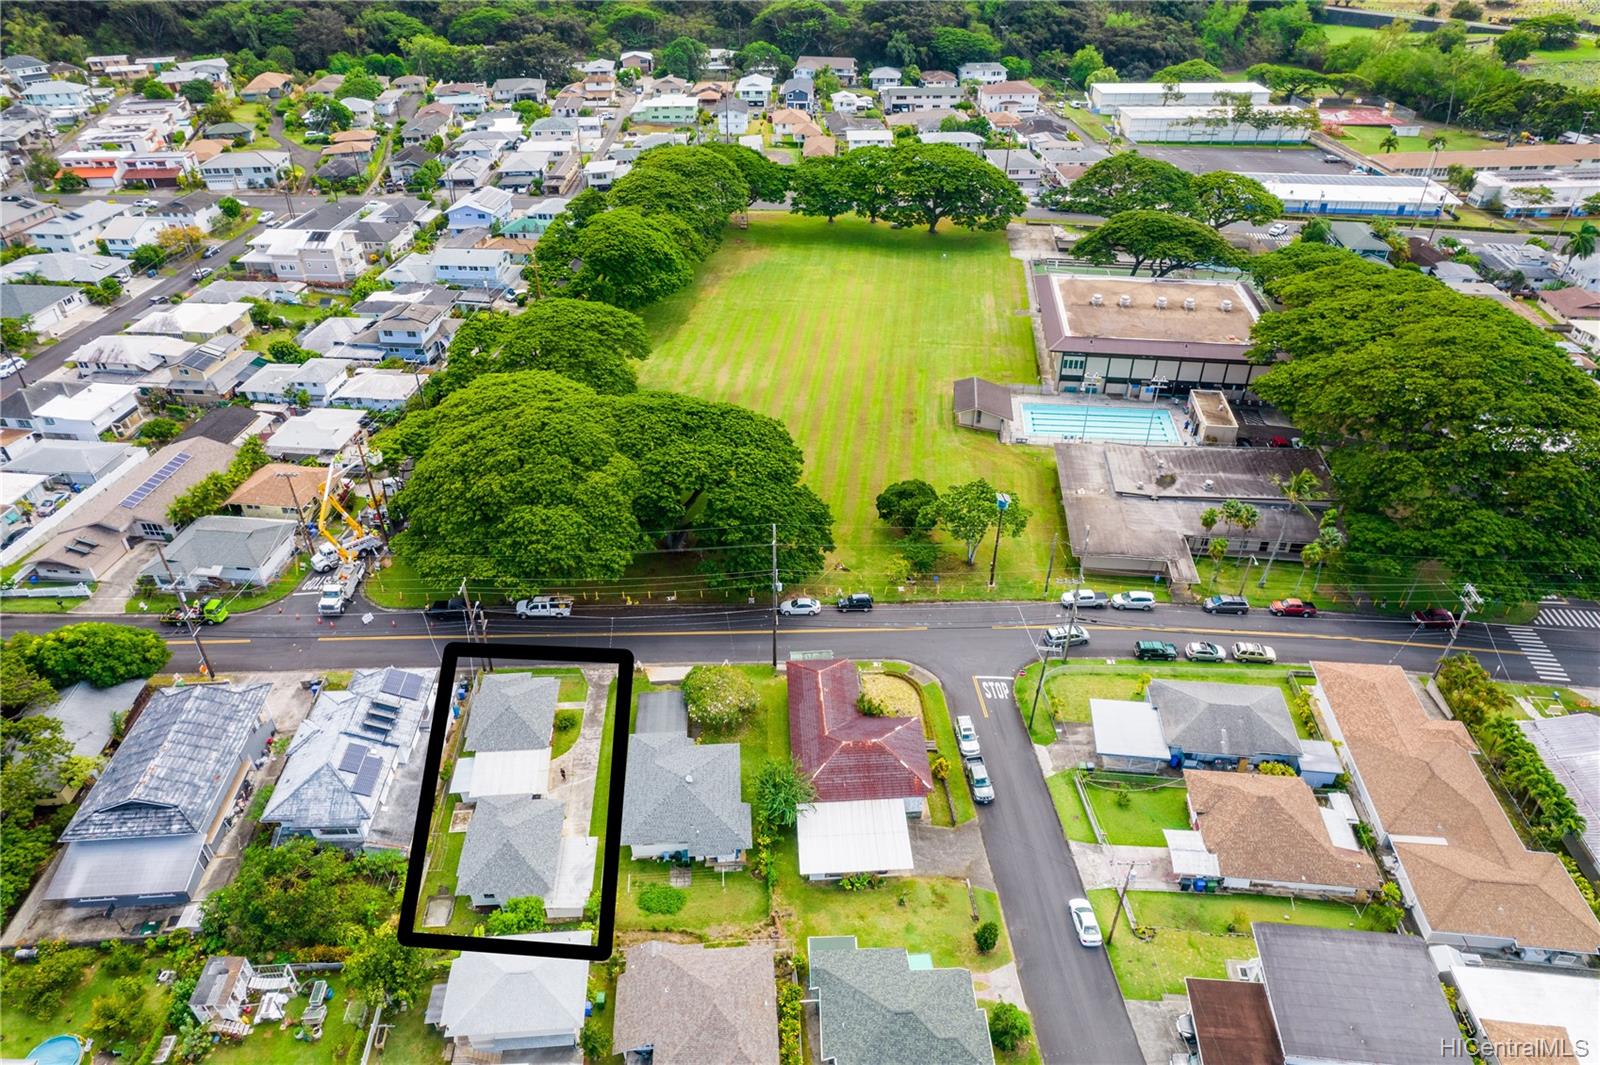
(1244,160)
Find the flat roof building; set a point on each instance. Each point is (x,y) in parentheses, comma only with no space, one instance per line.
(1359,194)
(1109,97)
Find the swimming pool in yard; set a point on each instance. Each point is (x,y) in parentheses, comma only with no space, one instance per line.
(1093,421)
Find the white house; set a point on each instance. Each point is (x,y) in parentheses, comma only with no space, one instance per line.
(1022,167)
(232,171)
(482,209)
(499,1004)
(195,321)
(374,389)
(318,378)
(967,142)
(1013,97)
(518,170)
(465,103)
(87,413)
(732,116)
(24,70)
(214,70)
(848,103)
(491,268)
(194,209)
(982,73)
(46,307)
(672,109)
(754,89)
(362,110)
(868,138)
(915,98)
(66,266)
(63,101)
(78,229)
(320,433)
(123,235)
(883,77)
(603,173)
(222,549)
(387,103)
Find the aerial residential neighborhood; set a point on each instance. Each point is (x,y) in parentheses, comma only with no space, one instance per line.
(800,533)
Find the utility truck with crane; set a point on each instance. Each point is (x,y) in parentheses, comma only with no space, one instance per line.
(341,553)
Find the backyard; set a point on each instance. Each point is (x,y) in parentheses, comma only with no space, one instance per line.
(1068,689)
(1133,811)
(851,334)
(1192,936)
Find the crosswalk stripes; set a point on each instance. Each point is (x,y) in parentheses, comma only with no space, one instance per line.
(1545,664)
(1568,617)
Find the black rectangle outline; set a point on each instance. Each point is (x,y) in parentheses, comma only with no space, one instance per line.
(605,923)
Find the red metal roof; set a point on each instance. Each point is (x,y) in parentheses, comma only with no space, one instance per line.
(91,171)
(847,755)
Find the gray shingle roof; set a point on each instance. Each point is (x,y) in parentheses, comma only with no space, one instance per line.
(694,1005)
(872,1007)
(1233,719)
(512,848)
(219,540)
(679,791)
(512,712)
(20,301)
(662,711)
(493,997)
(164,779)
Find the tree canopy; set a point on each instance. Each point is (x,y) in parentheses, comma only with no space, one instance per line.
(1157,241)
(934,182)
(95,651)
(590,342)
(1456,431)
(1126,181)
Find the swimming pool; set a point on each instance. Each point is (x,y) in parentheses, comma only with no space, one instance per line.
(57,1050)
(1089,421)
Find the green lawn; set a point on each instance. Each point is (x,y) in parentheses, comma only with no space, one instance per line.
(267,1044)
(718,906)
(574,688)
(1067,693)
(935,919)
(1366,140)
(937,723)
(1092,124)
(1069,808)
(1540,695)
(20,1032)
(245,599)
(20,604)
(851,335)
(260,341)
(1192,937)
(602,774)
(1151,808)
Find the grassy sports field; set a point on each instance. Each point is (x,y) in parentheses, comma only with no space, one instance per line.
(851,334)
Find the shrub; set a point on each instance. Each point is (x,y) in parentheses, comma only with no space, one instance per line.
(1276,769)
(861,882)
(719,697)
(38,989)
(1239,920)
(594,1040)
(567,719)
(122,959)
(872,707)
(662,898)
(517,916)
(1008,1027)
(941,768)
(789,998)
(987,935)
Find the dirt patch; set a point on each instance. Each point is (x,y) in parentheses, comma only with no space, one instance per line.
(897,693)
(460,818)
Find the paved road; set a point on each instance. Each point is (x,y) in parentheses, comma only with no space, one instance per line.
(973,648)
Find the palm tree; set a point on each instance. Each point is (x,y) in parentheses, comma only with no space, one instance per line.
(1218,550)
(1582,244)
(1296,489)
(1310,555)
(1247,518)
(1209,518)
(1390,142)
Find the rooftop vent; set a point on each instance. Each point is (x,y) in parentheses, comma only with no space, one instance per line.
(1207,484)
(1124,301)
(1161,303)
(1188,304)
(1097,300)
(1226,305)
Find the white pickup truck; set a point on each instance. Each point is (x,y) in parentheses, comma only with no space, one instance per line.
(341,588)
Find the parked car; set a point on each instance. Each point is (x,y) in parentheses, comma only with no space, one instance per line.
(10,365)
(859,602)
(147,203)
(1155,650)
(966,737)
(799,605)
(51,505)
(1331,158)
(1133,601)
(1057,637)
(1254,652)
(545,606)
(1201,651)
(446,610)
(202,273)
(151,272)
(1293,608)
(1435,617)
(211,251)
(982,788)
(1088,599)
(1277,229)
(1226,604)
(266,216)
(1084,922)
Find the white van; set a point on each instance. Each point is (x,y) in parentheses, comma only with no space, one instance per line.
(545,606)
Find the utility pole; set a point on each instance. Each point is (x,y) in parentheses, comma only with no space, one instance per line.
(379,502)
(1066,649)
(774,595)
(1122,894)
(188,618)
(1470,601)
(1050,569)
(1001,502)
(299,515)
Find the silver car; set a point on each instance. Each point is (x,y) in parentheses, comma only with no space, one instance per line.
(966,737)
(799,605)
(982,788)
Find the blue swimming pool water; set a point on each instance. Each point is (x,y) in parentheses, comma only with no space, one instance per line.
(57,1050)
(1085,421)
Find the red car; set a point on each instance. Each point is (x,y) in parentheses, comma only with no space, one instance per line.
(1293,608)
(1435,617)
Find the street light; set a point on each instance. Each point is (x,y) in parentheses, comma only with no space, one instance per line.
(1001,502)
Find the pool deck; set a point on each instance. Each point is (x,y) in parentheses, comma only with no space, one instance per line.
(1079,401)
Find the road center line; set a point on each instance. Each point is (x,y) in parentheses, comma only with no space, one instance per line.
(1258,636)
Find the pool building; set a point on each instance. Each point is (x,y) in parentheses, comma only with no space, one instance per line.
(1142,337)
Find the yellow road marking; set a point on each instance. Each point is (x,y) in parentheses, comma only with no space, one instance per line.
(1260,637)
(179,642)
(445,637)
(983,703)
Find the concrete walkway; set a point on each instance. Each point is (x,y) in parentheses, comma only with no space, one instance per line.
(1000,985)
(1106,866)
(573,774)
(956,852)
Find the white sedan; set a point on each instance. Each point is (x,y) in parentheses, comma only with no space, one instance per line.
(799,605)
(1254,652)
(1085,922)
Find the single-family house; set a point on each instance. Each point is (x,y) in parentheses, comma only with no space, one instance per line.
(720,61)
(537,218)
(213,70)
(328,85)
(939,77)
(410,83)
(387,104)
(465,101)
(1269,835)
(349,779)
(222,550)
(868,138)
(732,117)
(197,322)
(509,1006)
(870,774)
(789,124)
(238,133)
(967,142)
(23,69)
(846,102)
(1463,870)
(681,798)
(843,67)
(798,94)
(488,268)
(506,751)
(90,411)
(67,462)
(982,73)
(61,102)
(878,1004)
(77,229)
(1509,1008)
(374,389)
(520,170)
(280,490)
(131,231)
(638,60)
(275,382)
(674,109)
(197,209)
(603,173)
(268,85)
(883,77)
(320,433)
(553,128)
(467,172)
(754,89)
(404,164)
(488,145)
(18,214)
(234,171)
(1026,170)
(1208,725)
(510,90)
(685,1004)
(152,823)
(46,307)
(99,168)
(429,122)
(511,851)
(211,373)
(1013,97)
(816,147)
(484,208)
(362,111)
(919,98)
(1358,237)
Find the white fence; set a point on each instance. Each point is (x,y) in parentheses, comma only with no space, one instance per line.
(56,591)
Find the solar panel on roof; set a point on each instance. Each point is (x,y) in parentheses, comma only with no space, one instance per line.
(155,480)
(353,755)
(367,776)
(403,685)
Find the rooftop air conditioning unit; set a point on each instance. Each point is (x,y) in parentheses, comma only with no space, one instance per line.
(1207,484)
(1226,305)
(1161,303)
(1124,301)
(1097,300)
(1188,304)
